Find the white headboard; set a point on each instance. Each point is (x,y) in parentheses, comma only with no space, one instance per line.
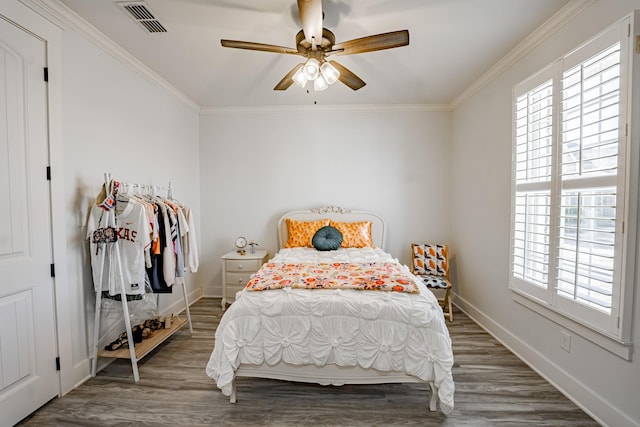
(337,214)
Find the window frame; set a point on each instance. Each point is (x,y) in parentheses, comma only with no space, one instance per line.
(612,332)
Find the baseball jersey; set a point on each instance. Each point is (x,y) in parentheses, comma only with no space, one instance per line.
(126,228)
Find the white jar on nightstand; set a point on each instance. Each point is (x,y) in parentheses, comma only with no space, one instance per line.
(237,270)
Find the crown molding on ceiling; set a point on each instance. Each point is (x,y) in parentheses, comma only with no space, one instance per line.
(331,108)
(543,32)
(71,19)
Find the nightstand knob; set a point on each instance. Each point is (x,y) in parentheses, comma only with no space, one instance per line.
(240,266)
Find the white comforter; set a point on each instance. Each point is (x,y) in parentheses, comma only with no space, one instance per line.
(387,331)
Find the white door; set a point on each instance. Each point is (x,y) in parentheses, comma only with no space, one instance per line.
(28,376)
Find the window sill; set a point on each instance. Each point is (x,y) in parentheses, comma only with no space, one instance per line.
(621,349)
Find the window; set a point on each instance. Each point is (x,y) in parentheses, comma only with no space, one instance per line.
(569,178)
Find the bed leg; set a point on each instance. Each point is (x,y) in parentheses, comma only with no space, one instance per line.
(232,396)
(433,402)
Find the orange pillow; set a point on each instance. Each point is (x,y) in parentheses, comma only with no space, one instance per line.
(354,234)
(301,232)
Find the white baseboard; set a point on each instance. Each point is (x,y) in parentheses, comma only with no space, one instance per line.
(586,398)
(81,372)
(211,292)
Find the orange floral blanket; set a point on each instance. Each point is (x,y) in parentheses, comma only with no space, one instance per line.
(369,276)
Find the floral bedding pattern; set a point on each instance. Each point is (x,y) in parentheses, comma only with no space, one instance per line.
(370,276)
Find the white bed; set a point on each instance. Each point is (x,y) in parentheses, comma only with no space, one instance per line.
(335,336)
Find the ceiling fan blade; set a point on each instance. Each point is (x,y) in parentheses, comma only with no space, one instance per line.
(347,77)
(288,79)
(311,17)
(237,44)
(373,43)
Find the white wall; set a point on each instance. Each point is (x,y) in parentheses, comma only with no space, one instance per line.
(258,164)
(115,120)
(604,384)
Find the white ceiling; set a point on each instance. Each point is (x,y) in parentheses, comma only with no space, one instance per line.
(452,43)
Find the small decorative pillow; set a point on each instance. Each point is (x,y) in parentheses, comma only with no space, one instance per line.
(327,239)
(355,234)
(301,232)
(429,259)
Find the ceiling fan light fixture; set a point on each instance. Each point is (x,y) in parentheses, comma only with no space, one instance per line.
(319,84)
(329,73)
(299,78)
(311,69)
(315,44)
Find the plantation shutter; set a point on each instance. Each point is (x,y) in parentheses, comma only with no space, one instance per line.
(533,154)
(590,117)
(574,186)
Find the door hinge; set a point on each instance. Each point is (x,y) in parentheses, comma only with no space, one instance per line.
(53,270)
(48,173)
(46,74)
(58,363)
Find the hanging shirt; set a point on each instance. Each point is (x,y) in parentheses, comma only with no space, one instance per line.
(155,272)
(189,242)
(168,254)
(122,232)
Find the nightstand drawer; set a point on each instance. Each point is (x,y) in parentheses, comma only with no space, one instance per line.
(249,265)
(238,279)
(237,270)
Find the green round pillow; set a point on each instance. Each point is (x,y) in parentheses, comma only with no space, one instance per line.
(327,239)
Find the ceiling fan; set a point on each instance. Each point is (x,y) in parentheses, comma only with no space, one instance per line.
(317,44)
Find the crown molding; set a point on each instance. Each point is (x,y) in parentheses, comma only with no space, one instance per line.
(329,108)
(543,32)
(72,20)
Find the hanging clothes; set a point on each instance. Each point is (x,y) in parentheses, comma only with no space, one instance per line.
(155,237)
(124,227)
(155,271)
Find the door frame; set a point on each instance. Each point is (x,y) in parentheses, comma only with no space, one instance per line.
(24,15)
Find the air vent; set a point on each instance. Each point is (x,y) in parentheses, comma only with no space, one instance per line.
(140,12)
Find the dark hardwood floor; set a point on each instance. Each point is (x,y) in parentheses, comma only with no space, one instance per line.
(493,388)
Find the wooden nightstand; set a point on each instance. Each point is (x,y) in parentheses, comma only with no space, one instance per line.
(237,270)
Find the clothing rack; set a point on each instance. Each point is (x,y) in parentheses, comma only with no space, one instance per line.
(134,352)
